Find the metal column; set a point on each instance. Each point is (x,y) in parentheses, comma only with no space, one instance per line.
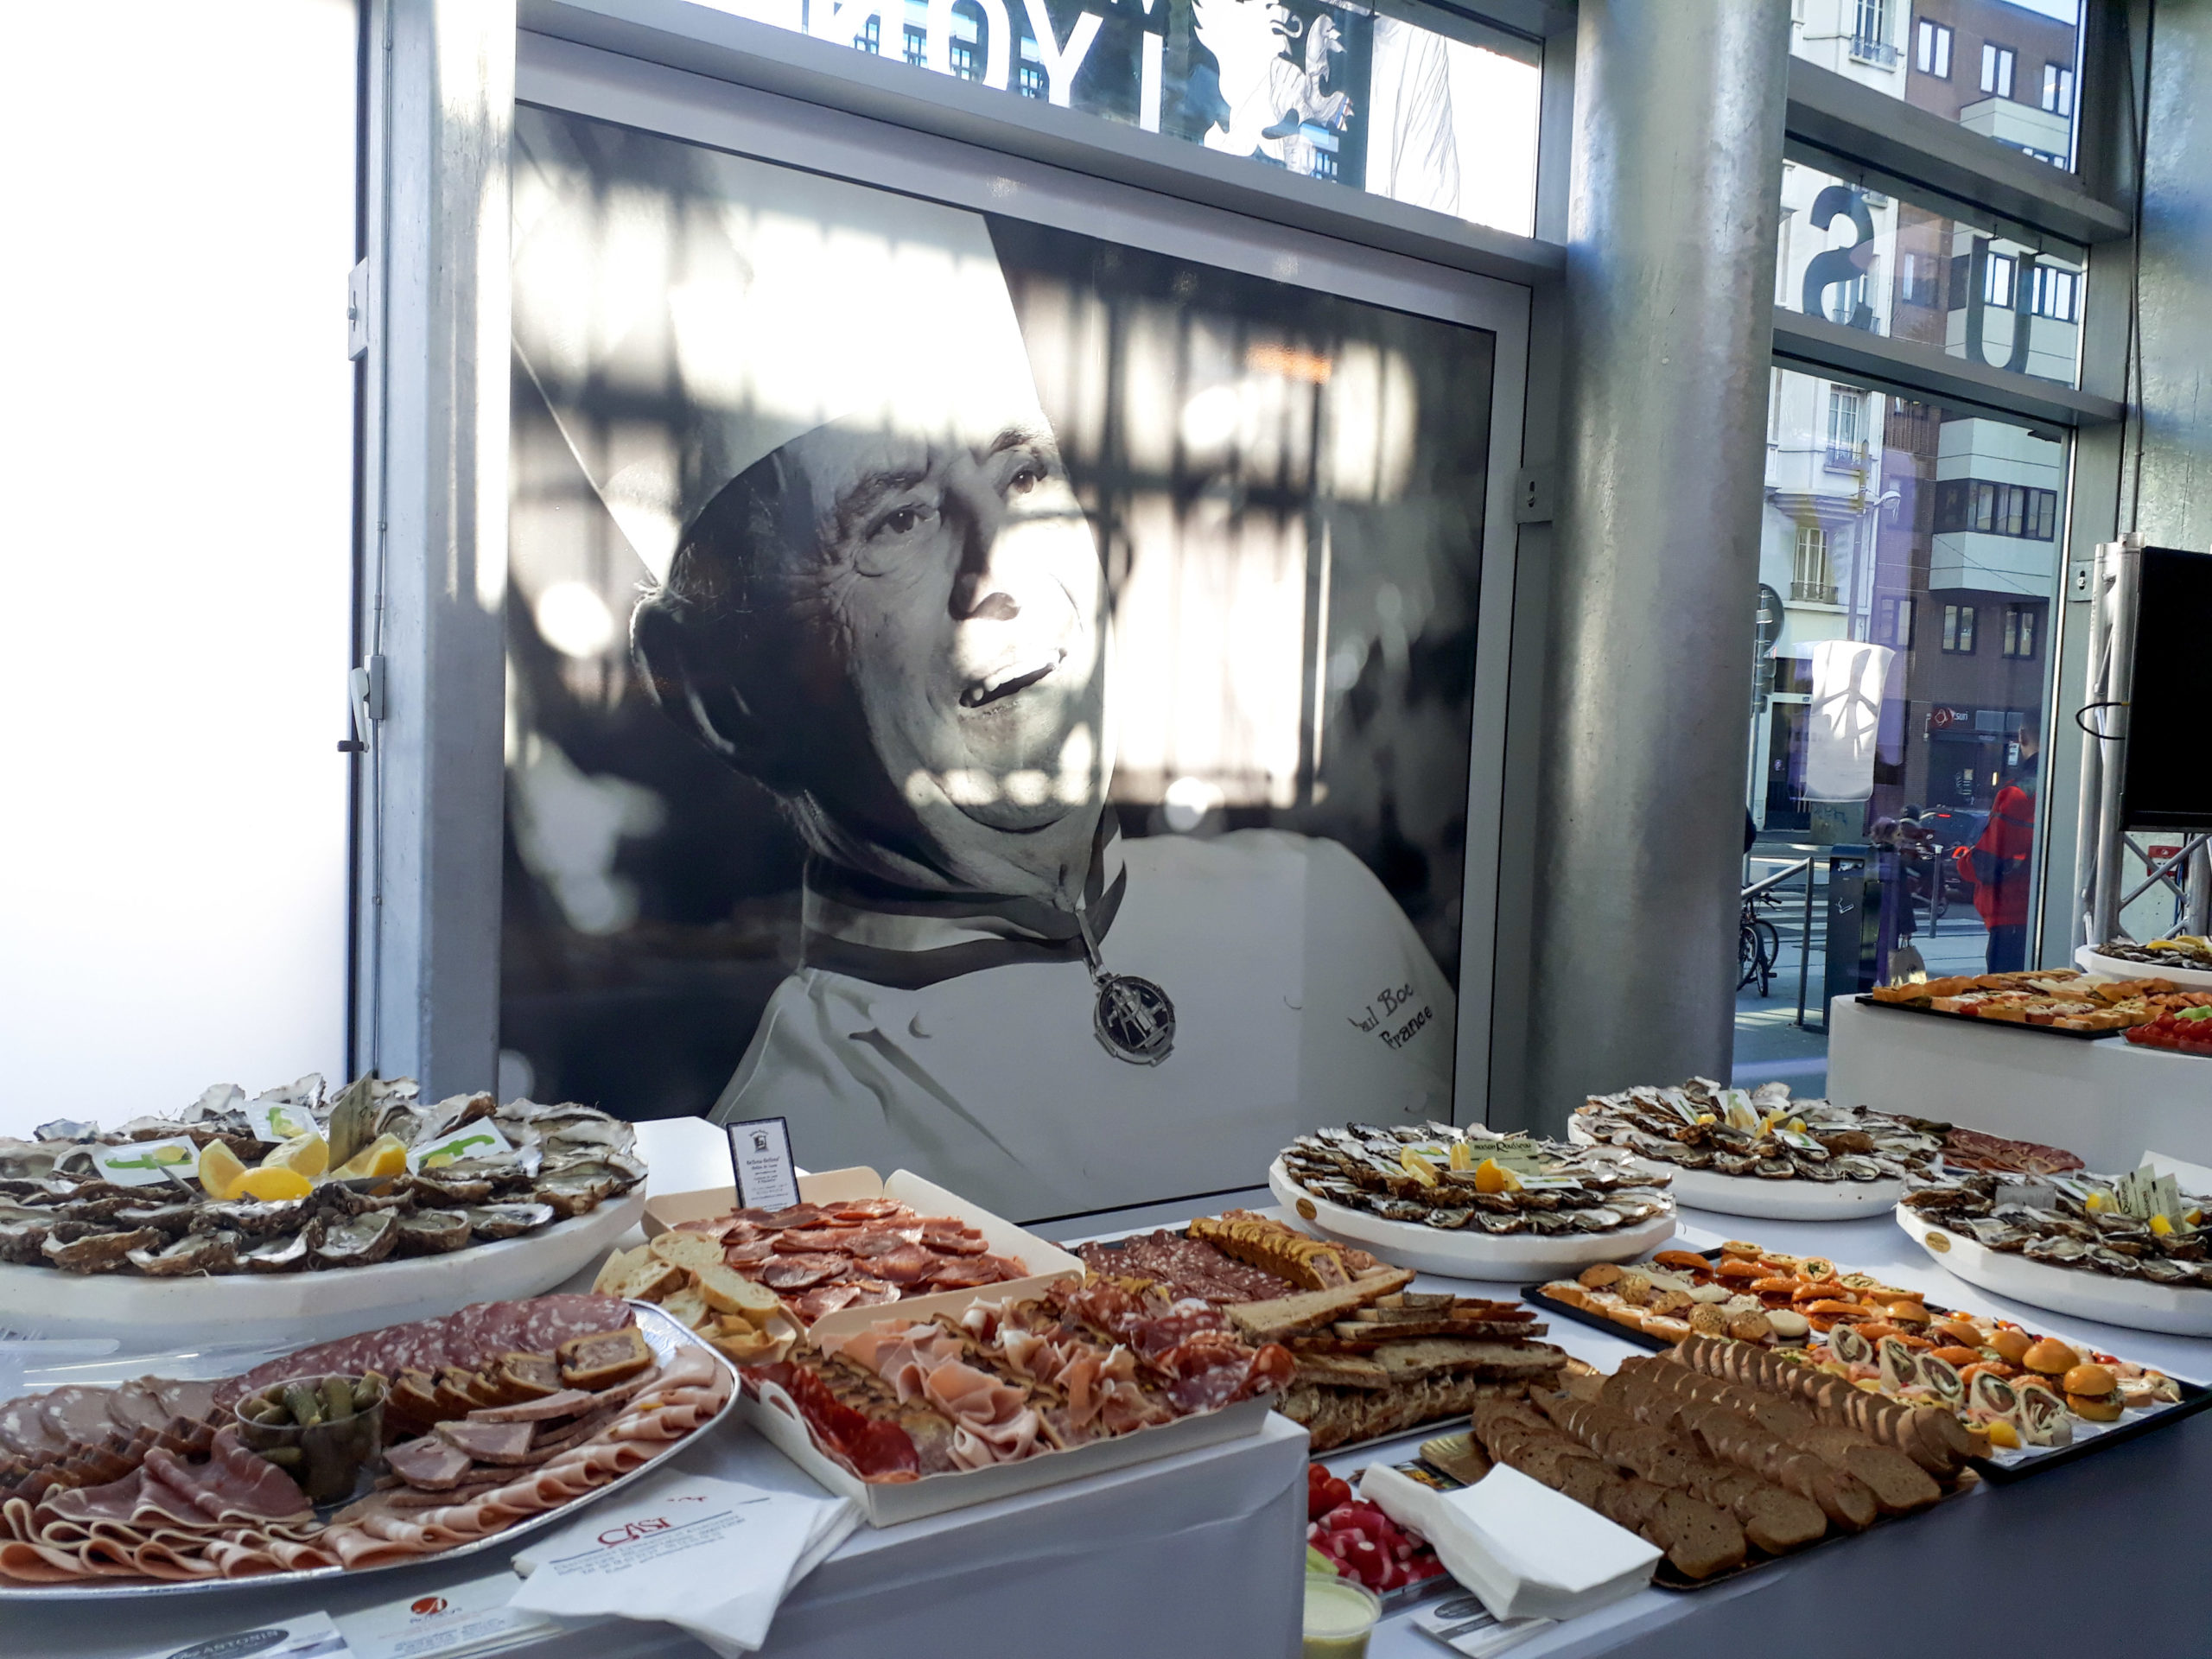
(1678,128)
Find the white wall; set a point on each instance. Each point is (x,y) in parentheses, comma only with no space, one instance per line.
(176,464)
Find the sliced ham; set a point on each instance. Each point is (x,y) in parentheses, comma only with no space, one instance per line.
(796,1241)
(788,1272)
(908,1265)
(799,1215)
(882,1240)
(749,1254)
(567,1403)
(489,1442)
(430,1463)
(869,1209)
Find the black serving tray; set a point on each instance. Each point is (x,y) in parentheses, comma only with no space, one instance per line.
(2194,1397)
(1991,1024)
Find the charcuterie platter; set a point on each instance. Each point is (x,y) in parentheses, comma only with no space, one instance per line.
(428,1440)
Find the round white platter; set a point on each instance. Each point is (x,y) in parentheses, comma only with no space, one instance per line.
(152,1315)
(662,1333)
(2189,979)
(1505,1258)
(1747,1195)
(2136,1303)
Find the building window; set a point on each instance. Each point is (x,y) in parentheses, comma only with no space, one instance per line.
(1932,55)
(1869,34)
(870,39)
(1958,629)
(1031,79)
(1846,426)
(2019,630)
(1893,621)
(2058,89)
(1997,69)
(1812,577)
(1916,276)
(917,47)
(1996,509)
(963,60)
(1998,277)
(2058,293)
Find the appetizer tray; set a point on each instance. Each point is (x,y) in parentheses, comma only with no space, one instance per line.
(1497,1258)
(2002,1467)
(2194,979)
(2180,1310)
(663,1334)
(1766,1200)
(293,1309)
(1993,1025)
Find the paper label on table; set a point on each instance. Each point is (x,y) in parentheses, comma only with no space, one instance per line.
(760,1153)
(714,1557)
(1465,1625)
(2035,1196)
(311,1636)
(477,1138)
(1798,1139)
(278,1120)
(147,1163)
(453,1623)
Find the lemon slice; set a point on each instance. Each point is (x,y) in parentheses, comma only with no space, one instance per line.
(386,1155)
(1417,1167)
(219,1169)
(309,1154)
(1491,1176)
(1463,1155)
(2001,1433)
(271,1186)
(2094,1201)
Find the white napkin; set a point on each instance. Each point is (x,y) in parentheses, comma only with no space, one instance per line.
(1526,1551)
(674,1538)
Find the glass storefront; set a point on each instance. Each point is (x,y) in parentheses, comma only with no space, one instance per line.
(1910,563)
(1421,106)
(2007,69)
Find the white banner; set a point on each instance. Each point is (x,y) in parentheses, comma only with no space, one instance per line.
(1844,720)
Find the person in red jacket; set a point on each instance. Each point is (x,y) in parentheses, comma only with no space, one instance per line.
(1997,864)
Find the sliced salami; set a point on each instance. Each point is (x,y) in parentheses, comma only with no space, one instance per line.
(790,1273)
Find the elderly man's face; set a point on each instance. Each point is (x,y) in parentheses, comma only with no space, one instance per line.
(965,587)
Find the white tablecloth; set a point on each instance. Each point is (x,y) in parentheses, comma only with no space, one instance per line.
(2107,1102)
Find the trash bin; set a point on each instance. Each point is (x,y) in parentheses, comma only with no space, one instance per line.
(1854,925)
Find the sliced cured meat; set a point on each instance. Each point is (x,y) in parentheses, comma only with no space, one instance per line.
(750,1253)
(881,1240)
(78,1414)
(869,1209)
(566,1403)
(789,1272)
(796,1241)
(489,1442)
(799,1215)
(824,1299)
(135,1406)
(189,1400)
(25,1432)
(908,1265)
(871,1293)
(430,1464)
(955,1240)
(961,1273)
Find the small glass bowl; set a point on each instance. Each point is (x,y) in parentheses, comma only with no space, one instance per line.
(327,1457)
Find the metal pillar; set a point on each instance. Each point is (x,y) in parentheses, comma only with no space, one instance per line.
(1675,198)
(435,539)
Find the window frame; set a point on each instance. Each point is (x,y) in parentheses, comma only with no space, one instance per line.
(1998,64)
(1932,44)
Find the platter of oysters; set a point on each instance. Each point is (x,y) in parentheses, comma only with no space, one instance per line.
(2133,1250)
(1470,1202)
(1758,1152)
(299,1213)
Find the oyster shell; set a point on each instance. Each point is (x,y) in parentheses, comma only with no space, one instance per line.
(171,1219)
(1448,1219)
(282,1253)
(352,1241)
(436,1188)
(430,1232)
(192,1253)
(508,1220)
(66,1129)
(99,1252)
(252,1216)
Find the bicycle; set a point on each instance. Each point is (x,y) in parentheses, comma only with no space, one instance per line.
(1758,946)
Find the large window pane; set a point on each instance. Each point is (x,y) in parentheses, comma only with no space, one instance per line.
(1909,566)
(1891,267)
(2007,69)
(1402,101)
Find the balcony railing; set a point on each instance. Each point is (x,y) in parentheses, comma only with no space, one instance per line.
(1814,592)
(1881,54)
(1845,457)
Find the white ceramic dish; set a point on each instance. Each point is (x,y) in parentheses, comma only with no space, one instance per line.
(289,1310)
(1498,1258)
(1747,1195)
(2189,979)
(663,1333)
(2135,1303)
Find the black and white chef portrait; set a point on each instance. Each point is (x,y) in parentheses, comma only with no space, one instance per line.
(1101,861)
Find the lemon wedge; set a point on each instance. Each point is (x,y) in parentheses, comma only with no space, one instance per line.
(309,1154)
(1417,1167)
(386,1155)
(219,1169)
(1463,1155)
(1491,1176)
(2001,1433)
(271,1186)
(2161,1226)
(1704,1117)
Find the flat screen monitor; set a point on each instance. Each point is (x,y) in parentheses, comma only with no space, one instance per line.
(2168,785)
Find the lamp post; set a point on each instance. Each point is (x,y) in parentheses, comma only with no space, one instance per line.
(1862,560)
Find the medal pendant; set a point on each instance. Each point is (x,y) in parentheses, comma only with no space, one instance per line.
(1133,1019)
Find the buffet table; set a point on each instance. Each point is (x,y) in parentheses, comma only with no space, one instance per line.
(2109,1101)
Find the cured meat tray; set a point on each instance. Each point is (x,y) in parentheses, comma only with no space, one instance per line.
(1986,1024)
(2002,1465)
(665,1336)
